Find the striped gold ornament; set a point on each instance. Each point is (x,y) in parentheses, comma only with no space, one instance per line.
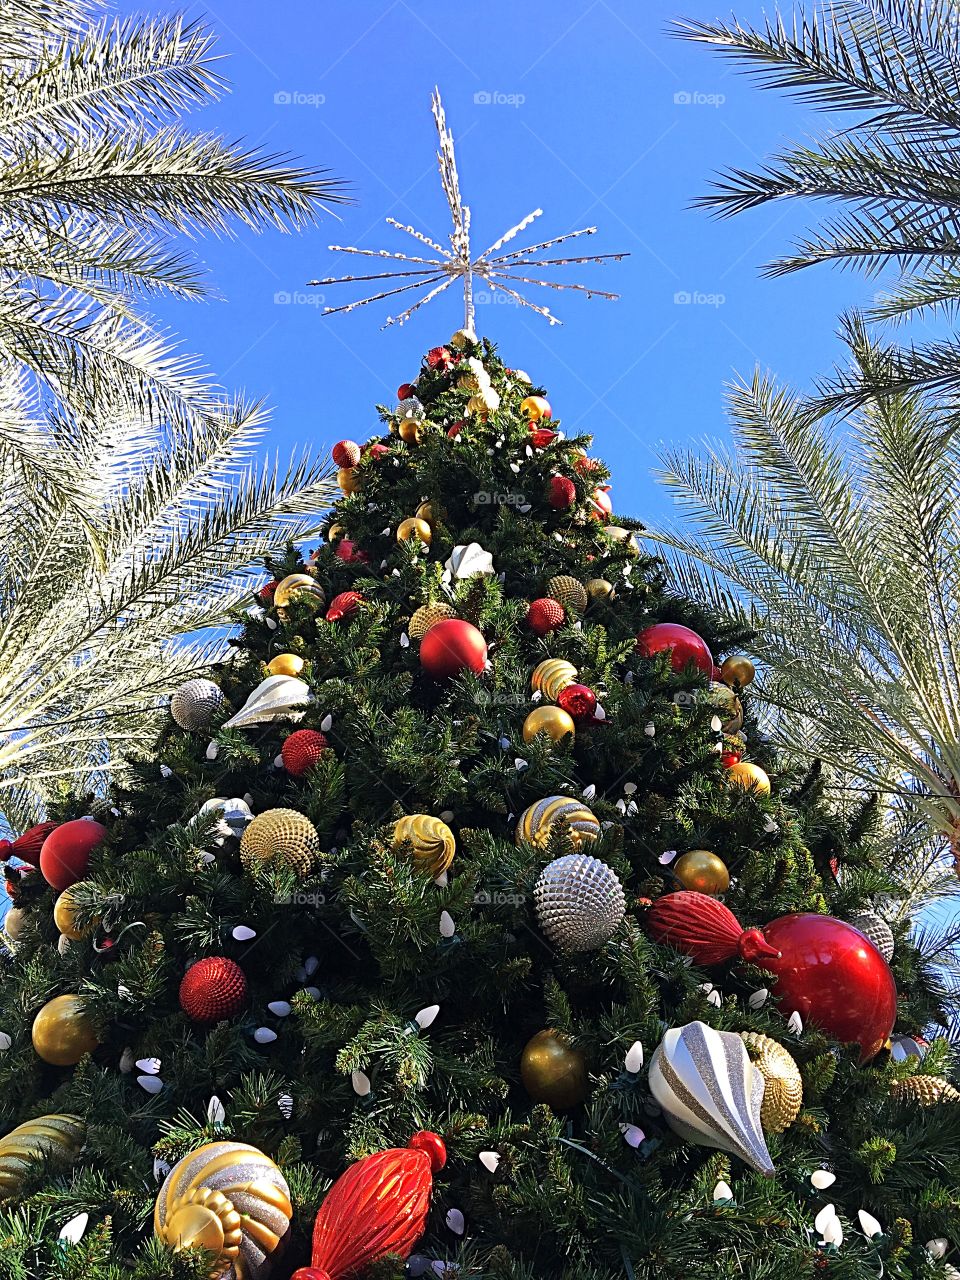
(551,676)
(570,591)
(537,822)
(925,1091)
(280,838)
(783,1086)
(426,616)
(432,840)
(56,1138)
(228,1198)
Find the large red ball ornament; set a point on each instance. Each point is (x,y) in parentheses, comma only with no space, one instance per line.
(452,646)
(562,493)
(213,990)
(685,646)
(65,855)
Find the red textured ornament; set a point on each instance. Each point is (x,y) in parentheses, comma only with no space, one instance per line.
(302,750)
(346,453)
(602,508)
(439,358)
(28,846)
(563,493)
(379,1206)
(578,700)
(585,465)
(685,646)
(455,430)
(405,390)
(349,553)
(452,646)
(265,594)
(705,929)
(345,605)
(213,990)
(541,437)
(65,855)
(545,615)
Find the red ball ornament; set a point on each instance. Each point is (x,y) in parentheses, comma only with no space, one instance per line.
(346,453)
(541,437)
(729,758)
(602,506)
(349,553)
(65,855)
(378,450)
(563,493)
(578,700)
(451,646)
(345,605)
(301,751)
(685,646)
(213,990)
(545,615)
(378,1207)
(27,847)
(405,390)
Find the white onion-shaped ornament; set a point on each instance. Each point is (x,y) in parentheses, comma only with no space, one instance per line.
(195,704)
(466,560)
(275,698)
(235,817)
(579,902)
(710,1092)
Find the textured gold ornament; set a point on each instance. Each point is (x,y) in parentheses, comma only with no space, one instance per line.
(414,528)
(536,823)
(63,1032)
(427,511)
(551,676)
(729,707)
(348,480)
(228,1198)
(737,670)
(299,588)
(426,616)
(553,721)
(283,838)
(702,871)
(65,918)
(410,430)
(552,1071)
(56,1138)
(432,840)
(286,664)
(925,1091)
(625,538)
(571,593)
(782,1083)
(600,590)
(749,776)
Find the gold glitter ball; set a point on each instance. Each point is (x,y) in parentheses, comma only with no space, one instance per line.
(425,617)
(282,837)
(783,1086)
(571,593)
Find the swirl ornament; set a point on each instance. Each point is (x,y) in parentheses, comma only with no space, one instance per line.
(56,1138)
(196,703)
(782,1084)
(537,822)
(432,840)
(231,1199)
(551,676)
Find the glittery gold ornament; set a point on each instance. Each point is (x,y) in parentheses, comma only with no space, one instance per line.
(749,776)
(737,670)
(63,1032)
(65,918)
(783,1085)
(426,616)
(299,588)
(625,538)
(600,590)
(427,511)
(571,593)
(230,1199)
(702,871)
(925,1091)
(432,840)
(410,430)
(348,480)
(286,664)
(553,721)
(282,838)
(414,528)
(553,1071)
(53,1138)
(729,707)
(552,675)
(537,822)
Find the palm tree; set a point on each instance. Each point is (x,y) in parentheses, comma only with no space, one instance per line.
(894,66)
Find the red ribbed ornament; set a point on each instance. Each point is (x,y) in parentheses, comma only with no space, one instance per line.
(302,750)
(345,605)
(213,990)
(28,845)
(545,615)
(379,1206)
(705,929)
(265,594)
(563,493)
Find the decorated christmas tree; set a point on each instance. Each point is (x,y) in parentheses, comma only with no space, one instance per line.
(464,905)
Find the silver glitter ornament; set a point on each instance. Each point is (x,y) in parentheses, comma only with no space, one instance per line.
(579,902)
(875,928)
(194,705)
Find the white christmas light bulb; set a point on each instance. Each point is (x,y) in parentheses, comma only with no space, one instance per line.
(822,1179)
(426,1017)
(634,1059)
(361,1083)
(824,1218)
(447,926)
(868,1224)
(722,1191)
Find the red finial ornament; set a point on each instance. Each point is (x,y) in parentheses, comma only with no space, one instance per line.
(379,1206)
(345,605)
(28,845)
(705,929)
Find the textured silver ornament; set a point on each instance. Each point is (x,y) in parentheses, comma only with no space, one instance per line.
(275,698)
(711,1092)
(194,705)
(874,927)
(579,902)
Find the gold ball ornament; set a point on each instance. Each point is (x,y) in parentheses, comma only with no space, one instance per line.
(925,1091)
(737,670)
(281,838)
(729,707)
(551,676)
(348,480)
(625,538)
(553,721)
(782,1082)
(335,532)
(599,590)
(432,840)
(702,871)
(14,922)
(570,592)
(299,588)
(410,430)
(230,1199)
(286,664)
(428,511)
(535,407)
(53,1138)
(553,1071)
(65,918)
(462,338)
(425,617)
(537,822)
(414,528)
(63,1032)
(749,776)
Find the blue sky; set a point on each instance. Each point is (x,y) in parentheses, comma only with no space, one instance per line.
(581,109)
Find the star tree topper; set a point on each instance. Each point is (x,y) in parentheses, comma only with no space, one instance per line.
(499,271)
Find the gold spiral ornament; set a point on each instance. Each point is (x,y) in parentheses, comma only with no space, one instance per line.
(537,822)
(432,840)
(782,1083)
(57,1138)
(228,1198)
(551,676)
(281,838)
(424,618)
(299,588)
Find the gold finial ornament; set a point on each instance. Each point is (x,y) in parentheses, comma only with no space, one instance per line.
(282,838)
(432,840)
(551,676)
(782,1082)
(56,1138)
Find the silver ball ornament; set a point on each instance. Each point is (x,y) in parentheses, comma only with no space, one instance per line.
(877,930)
(195,704)
(579,902)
